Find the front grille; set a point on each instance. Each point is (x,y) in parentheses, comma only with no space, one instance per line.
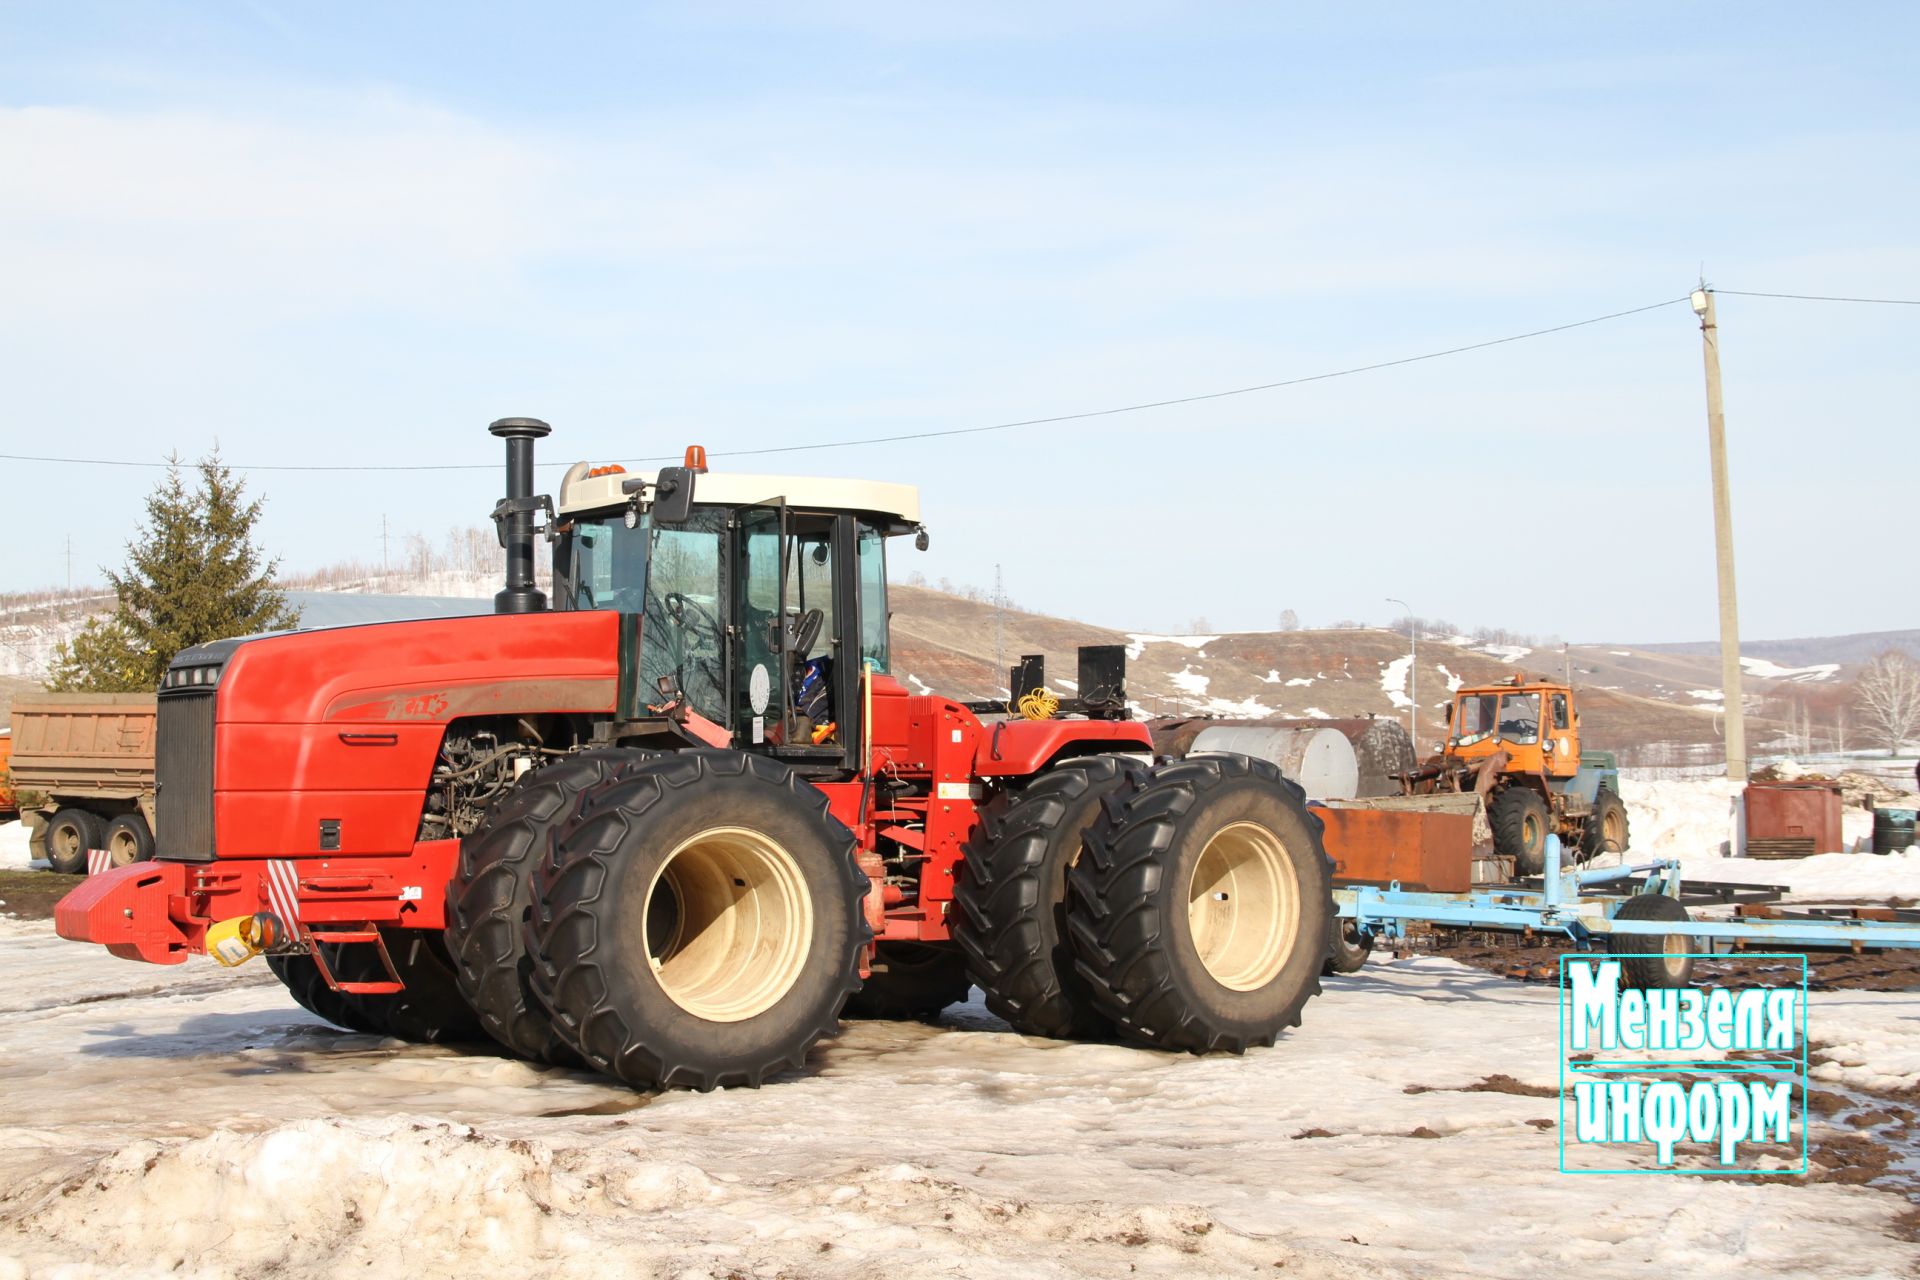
(183,773)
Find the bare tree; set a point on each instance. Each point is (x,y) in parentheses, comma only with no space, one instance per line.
(1289,620)
(1840,728)
(1888,693)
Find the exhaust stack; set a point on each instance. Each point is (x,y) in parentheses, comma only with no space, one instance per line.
(513,516)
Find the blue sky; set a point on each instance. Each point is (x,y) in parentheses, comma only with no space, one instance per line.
(324,234)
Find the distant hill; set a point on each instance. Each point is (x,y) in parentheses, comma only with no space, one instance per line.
(1655,704)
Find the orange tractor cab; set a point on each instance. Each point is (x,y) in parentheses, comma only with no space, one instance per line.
(1517,744)
(677,823)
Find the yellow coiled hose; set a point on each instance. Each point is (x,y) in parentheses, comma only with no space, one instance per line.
(1038,704)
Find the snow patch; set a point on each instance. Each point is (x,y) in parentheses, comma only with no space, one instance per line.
(1453,681)
(919,686)
(1505,652)
(1314,713)
(1140,642)
(14,851)
(1191,681)
(1761,669)
(1393,681)
(1300,682)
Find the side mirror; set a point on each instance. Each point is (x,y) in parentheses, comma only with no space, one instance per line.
(673,496)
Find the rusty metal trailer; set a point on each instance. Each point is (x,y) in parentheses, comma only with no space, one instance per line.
(83,776)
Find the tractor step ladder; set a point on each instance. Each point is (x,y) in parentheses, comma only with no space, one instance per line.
(354,935)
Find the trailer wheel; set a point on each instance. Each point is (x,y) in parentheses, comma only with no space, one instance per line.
(69,835)
(703,925)
(1520,824)
(1670,967)
(1346,949)
(1201,910)
(128,841)
(490,897)
(918,982)
(1606,825)
(1011,900)
(301,977)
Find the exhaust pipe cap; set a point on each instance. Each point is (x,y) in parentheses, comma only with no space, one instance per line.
(520,429)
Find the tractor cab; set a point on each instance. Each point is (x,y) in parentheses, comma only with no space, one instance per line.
(1533,722)
(750,605)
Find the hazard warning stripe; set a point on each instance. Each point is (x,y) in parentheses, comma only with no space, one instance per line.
(98,860)
(283,891)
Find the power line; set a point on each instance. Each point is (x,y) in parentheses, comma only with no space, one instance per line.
(934,435)
(1821,297)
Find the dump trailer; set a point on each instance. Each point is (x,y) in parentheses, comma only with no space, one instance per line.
(83,777)
(679,819)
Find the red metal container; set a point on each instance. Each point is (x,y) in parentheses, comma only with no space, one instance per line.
(1793,819)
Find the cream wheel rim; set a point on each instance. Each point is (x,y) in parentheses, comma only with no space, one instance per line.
(1243,906)
(123,850)
(728,924)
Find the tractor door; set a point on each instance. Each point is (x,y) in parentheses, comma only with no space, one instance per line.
(1560,742)
(795,589)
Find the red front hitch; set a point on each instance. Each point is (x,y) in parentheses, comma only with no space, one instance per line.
(127,911)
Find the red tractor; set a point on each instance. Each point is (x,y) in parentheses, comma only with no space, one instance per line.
(679,822)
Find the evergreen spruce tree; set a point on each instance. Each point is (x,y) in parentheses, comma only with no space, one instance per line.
(192,575)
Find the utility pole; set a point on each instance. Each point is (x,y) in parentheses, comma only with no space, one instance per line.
(999,633)
(1736,731)
(383,543)
(1413,676)
(69,564)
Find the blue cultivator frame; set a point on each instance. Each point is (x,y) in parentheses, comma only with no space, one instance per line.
(1583,906)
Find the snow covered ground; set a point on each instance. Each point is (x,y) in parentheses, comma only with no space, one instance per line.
(190,1120)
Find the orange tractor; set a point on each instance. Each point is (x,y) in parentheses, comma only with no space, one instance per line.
(678,823)
(1517,744)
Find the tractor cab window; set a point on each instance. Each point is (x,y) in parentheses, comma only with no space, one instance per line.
(787,597)
(872,548)
(1475,718)
(682,631)
(1520,717)
(609,568)
(1559,704)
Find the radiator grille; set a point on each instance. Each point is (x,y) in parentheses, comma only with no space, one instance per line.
(183,771)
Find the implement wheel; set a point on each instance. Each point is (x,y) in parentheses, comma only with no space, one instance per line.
(1011,900)
(1201,910)
(1346,949)
(703,925)
(1667,964)
(490,897)
(918,982)
(1520,825)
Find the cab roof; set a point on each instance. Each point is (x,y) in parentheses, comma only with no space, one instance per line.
(588,487)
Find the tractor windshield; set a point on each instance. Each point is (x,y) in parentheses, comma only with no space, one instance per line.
(1520,717)
(1474,719)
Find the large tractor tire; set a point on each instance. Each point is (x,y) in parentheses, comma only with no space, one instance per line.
(1661,960)
(702,927)
(1202,908)
(128,841)
(1011,900)
(1606,826)
(490,897)
(1520,826)
(430,1011)
(917,982)
(70,833)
